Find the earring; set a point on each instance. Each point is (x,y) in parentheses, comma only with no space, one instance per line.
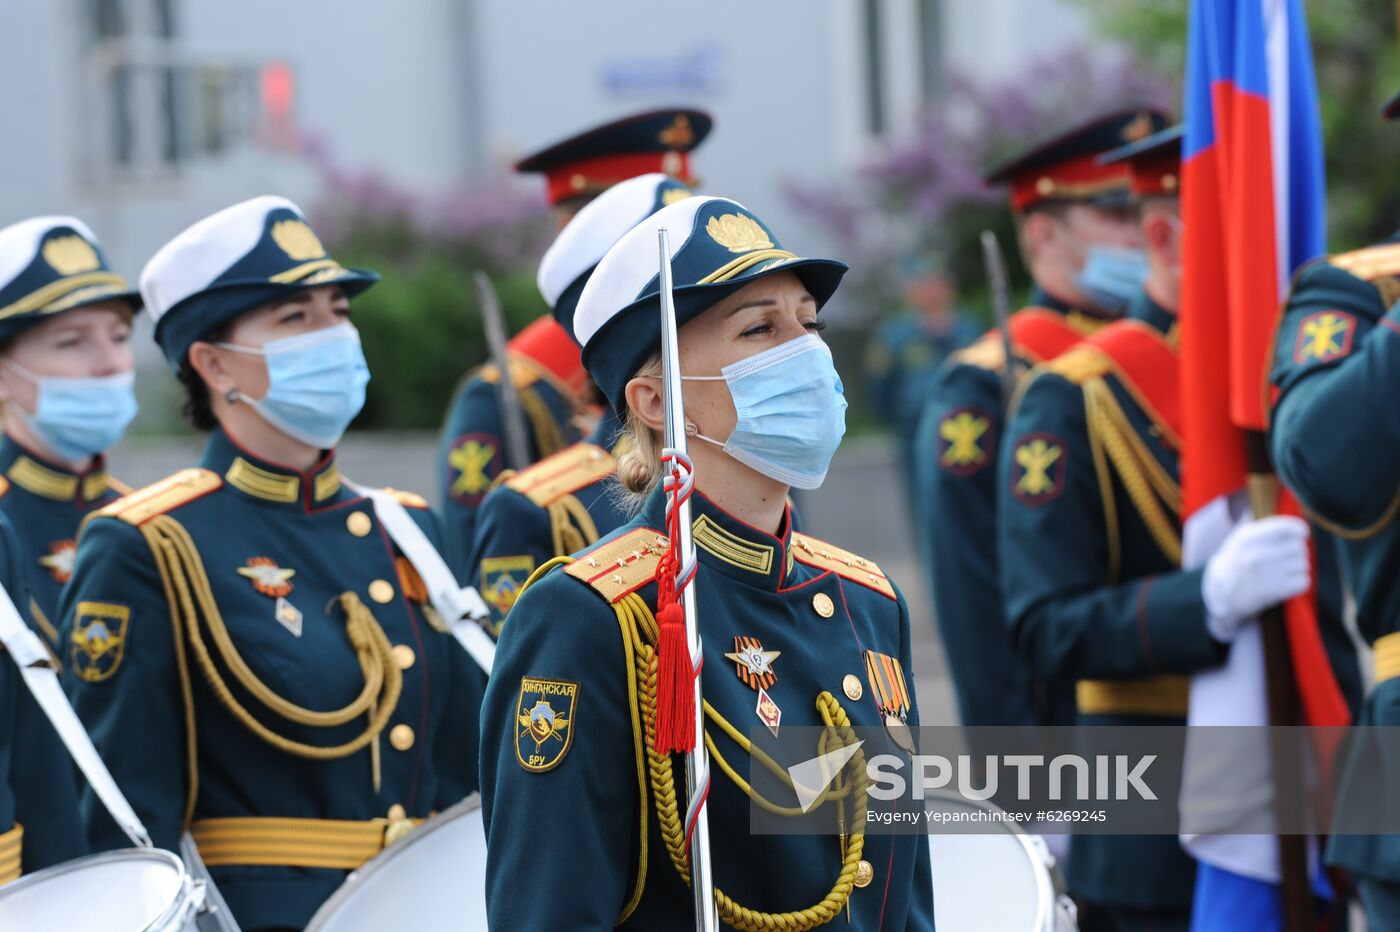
(231,396)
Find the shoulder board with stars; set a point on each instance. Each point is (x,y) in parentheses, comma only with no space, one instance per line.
(620,566)
(843,563)
(562,474)
(523,375)
(408,499)
(164,496)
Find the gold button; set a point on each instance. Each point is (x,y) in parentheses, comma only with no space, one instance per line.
(823,605)
(403,656)
(851,684)
(864,874)
(396,812)
(382,591)
(358,523)
(401,737)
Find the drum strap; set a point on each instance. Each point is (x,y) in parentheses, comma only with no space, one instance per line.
(461,608)
(11,844)
(36,666)
(286,842)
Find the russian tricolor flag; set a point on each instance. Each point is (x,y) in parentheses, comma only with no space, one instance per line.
(1253,208)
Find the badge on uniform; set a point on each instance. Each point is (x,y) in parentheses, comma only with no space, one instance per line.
(60,559)
(964,437)
(544,721)
(268,578)
(98,642)
(502,578)
(1324,336)
(886,676)
(1038,469)
(754,664)
(473,462)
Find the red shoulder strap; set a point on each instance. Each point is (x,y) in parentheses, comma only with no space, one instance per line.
(1147,364)
(1041,335)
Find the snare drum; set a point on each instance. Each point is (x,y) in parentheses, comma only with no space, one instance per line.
(997,877)
(433,878)
(133,890)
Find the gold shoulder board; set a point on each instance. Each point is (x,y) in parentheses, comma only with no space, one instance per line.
(524,375)
(166,495)
(408,499)
(1079,365)
(562,474)
(622,565)
(986,353)
(843,563)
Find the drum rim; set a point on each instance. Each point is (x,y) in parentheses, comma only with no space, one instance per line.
(355,879)
(1044,880)
(172,910)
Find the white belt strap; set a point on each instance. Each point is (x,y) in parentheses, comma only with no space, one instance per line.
(460,606)
(36,667)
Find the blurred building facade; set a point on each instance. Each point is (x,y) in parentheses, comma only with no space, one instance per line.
(143,115)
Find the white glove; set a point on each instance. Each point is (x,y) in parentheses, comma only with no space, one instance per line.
(1260,564)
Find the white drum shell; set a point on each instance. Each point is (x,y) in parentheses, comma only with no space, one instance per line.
(432,879)
(133,890)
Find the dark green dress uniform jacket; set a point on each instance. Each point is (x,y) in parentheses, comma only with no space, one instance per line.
(471,448)
(37,788)
(562,813)
(287,556)
(955,474)
(46,502)
(1093,594)
(1336,442)
(534,516)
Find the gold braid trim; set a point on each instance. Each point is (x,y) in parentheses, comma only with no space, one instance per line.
(572,525)
(1109,427)
(187,586)
(639,626)
(548,438)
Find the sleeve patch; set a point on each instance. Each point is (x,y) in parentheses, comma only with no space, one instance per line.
(472,463)
(502,578)
(98,643)
(1038,469)
(966,437)
(544,722)
(1323,337)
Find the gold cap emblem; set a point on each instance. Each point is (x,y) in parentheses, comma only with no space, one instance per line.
(70,255)
(296,239)
(738,233)
(1139,128)
(672,195)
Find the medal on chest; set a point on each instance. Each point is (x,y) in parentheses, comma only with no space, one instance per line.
(60,559)
(754,666)
(273,581)
(886,677)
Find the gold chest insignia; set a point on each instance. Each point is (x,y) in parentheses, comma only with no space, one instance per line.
(60,559)
(544,720)
(268,578)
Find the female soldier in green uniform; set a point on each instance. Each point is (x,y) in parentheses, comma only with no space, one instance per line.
(252,655)
(582,814)
(66,383)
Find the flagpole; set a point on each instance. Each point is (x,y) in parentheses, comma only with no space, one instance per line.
(680,480)
(1299,913)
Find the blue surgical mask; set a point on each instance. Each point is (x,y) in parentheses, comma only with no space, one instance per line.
(1112,276)
(316,384)
(79,418)
(792,411)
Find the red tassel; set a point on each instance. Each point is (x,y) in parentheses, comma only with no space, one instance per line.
(675,684)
